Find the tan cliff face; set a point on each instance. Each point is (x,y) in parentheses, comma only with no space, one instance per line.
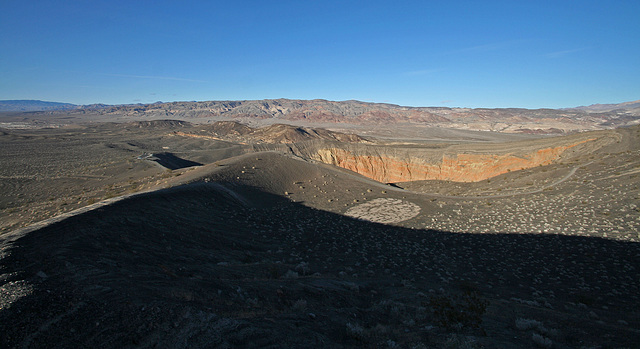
(463,167)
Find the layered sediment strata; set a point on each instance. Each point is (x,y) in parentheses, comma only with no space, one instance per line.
(452,167)
(459,163)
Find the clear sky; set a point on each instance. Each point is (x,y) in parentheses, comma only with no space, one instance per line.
(514,53)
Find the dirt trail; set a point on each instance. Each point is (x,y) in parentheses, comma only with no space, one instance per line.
(559,181)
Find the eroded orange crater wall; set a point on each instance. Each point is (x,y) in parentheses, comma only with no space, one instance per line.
(459,167)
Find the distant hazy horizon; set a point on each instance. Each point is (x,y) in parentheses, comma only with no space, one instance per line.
(50,104)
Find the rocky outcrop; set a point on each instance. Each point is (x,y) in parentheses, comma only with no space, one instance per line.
(272,134)
(157,124)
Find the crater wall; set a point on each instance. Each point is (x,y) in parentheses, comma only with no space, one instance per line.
(460,163)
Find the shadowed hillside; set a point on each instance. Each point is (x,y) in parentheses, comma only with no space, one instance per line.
(221,265)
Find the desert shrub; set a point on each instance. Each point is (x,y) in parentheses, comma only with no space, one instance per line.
(392,344)
(541,341)
(290,274)
(419,346)
(303,268)
(465,310)
(538,326)
(356,332)
(394,311)
(460,342)
(527,324)
(300,305)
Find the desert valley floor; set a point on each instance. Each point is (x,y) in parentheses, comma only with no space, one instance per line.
(167,234)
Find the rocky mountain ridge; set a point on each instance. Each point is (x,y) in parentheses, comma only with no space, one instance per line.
(319,111)
(272,134)
(595,108)
(33,105)
(515,120)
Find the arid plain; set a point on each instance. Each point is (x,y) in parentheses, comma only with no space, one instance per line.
(178,232)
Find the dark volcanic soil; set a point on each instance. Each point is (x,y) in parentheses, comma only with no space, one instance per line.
(259,250)
(46,172)
(222,265)
(224,262)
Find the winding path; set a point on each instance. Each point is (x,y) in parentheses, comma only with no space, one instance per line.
(561,180)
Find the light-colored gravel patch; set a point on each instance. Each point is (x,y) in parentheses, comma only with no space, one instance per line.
(385,211)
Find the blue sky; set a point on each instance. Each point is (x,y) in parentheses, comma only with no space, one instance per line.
(530,54)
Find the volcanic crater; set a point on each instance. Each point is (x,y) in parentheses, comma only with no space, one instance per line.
(292,237)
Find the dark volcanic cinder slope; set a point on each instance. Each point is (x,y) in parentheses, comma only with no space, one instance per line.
(239,259)
(171,161)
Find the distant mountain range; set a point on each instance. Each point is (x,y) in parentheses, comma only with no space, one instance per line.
(33,105)
(37,105)
(597,116)
(595,108)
